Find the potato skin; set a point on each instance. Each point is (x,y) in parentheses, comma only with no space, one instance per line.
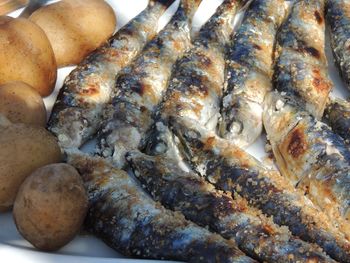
(23,149)
(26,55)
(51,206)
(21,103)
(75,27)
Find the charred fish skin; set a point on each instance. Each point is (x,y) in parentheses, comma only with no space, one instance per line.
(301,65)
(129,221)
(338,19)
(197,81)
(310,155)
(77,113)
(230,168)
(249,71)
(337,116)
(200,202)
(141,88)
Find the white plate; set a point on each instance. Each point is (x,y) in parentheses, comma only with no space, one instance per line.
(87,248)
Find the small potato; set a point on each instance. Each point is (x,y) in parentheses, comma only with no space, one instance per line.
(19,102)
(23,149)
(26,55)
(75,27)
(51,206)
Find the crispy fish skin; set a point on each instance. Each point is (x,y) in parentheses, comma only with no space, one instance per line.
(201,203)
(338,19)
(197,81)
(76,115)
(301,65)
(337,116)
(310,155)
(129,221)
(141,88)
(230,168)
(249,68)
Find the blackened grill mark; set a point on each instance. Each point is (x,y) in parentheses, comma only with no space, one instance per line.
(318,17)
(313,52)
(139,88)
(256,46)
(296,145)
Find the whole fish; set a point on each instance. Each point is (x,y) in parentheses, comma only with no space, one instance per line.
(77,113)
(128,220)
(201,203)
(249,70)
(229,168)
(310,155)
(301,65)
(337,116)
(197,81)
(140,89)
(338,19)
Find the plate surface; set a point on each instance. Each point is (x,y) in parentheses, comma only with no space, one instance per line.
(87,248)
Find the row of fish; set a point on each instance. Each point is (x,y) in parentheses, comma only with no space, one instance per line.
(168,99)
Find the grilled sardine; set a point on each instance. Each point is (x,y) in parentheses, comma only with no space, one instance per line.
(229,168)
(140,89)
(249,70)
(129,221)
(77,113)
(201,203)
(197,82)
(338,19)
(301,65)
(310,155)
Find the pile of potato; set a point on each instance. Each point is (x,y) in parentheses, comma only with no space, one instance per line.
(48,197)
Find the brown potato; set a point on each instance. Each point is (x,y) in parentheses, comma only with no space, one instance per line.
(51,206)
(26,55)
(75,27)
(19,102)
(23,149)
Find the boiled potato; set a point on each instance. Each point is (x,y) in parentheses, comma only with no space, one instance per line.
(23,148)
(75,27)
(19,102)
(26,55)
(51,206)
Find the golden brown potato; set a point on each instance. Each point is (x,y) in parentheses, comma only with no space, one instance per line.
(19,102)
(51,206)
(26,55)
(75,27)
(23,149)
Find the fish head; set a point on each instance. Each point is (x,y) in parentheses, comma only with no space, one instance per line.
(147,168)
(142,164)
(281,113)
